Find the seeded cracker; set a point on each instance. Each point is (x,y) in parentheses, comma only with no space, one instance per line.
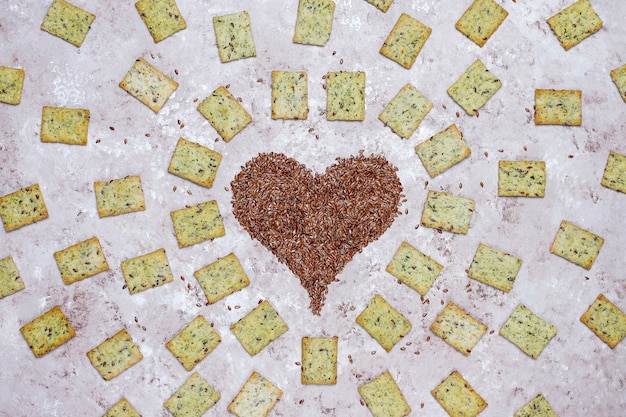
(414,268)
(64,125)
(319,360)
(577,245)
(405,111)
(195,163)
(527,331)
(290,98)
(614,176)
(575,23)
(443,150)
(193,398)
(445,211)
(537,407)
(481,20)
(222,278)
(256,398)
(345,95)
(115,355)
(521,178)
(258,328)
(10,280)
(383,397)
(558,107)
(493,267)
(68,22)
(11,83)
(458,329)
(606,320)
(194,342)
(405,41)
(224,113)
(197,223)
(122,409)
(148,85)
(233,35)
(147,271)
(22,207)
(382,5)
(314,22)
(383,322)
(618,75)
(80,261)
(119,196)
(474,88)
(47,332)
(162,17)
(457,397)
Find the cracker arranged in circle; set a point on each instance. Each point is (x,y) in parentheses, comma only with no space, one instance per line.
(22,207)
(405,111)
(193,343)
(405,41)
(606,320)
(122,409)
(224,113)
(481,19)
(147,271)
(194,162)
(319,360)
(383,397)
(114,355)
(474,87)
(414,268)
(148,85)
(10,279)
(447,212)
(314,22)
(494,267)
(521,178)
(47,332)
(537,407)
(162,17)
(576,244)
(222,278)
(11,84)
(458,328)
(81,260)
(290,95)
(575,23)
(558,107)
(68,22)
(345,95)
(527,331)
(256,398)
(197,223)
(383,322)
(193,398)
(119,196)
(457,397)
(382,5)
(259,328)
(618,75)
(233,34)
(614,176)
(64,125)
(443,150)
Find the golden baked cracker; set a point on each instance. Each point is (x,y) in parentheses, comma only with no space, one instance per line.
(162,17)
(119,196)
(606,320)
(345,95)
(233,34)
(65,125)
(319,360)
(194,342)
(457,397)
(115,355)
(383,322)
(537,407)
(148,85)
(405,41)
(448,212)
(47,332)
(383,397)
(10,280)
(527,331)
(405,111)
(481,19)
(256,398)
(68,22)
(474,87)
(147,271)
(576,244)
(224,113)
(122,409)
(575,23)
(193,398)
(22,207)
(458,329)
(197,223)
(414,268)
(11,84)
(382,5)
(222,278)
(290,95)
(521,178)
(558,107)
(82,260)
(614,176)
(443,150)
(314,22)
(494,267)
(259,328)
(194,162)
(618,75)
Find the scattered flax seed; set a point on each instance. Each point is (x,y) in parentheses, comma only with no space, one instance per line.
(373,352)
(417,352)
(174,188)
(298,364)
(311,129)
(324,77)
(301,402)
(500,150)
(444,106)
(409,343)
(237,307)
(525,148)
(445,290)
(152,55)
(147,135)
(341,61)
(111,127)
(477,114)
(422,405)
(460,185)
(227,86)
(527,110)
(226,189)
(195,100)
(362,402)
(334,53)
(428,338)
(97,140)
(403,348)
(229,308)
(586,278)
(350,359)
(417,226)
(486,153)
(136,320)
(182,125)
(570,156)
(424,315)
(441,302)
(239,99)
(182,278)
(317,137)
(260,80)
(125,141)
(189,192)
(175,71)
(491,331)
(143,328)
(481,184)
(458,114)
(198,305)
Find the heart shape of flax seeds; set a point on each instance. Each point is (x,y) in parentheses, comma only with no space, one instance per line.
(315,223)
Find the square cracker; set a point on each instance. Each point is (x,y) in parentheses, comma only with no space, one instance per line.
(115,355)
(22,207)
(68,22)
(443,150)
(194,342)
(382,5)
(345,95)
(414,268)
(224,113)
(576,244)
(314,22)
(233,34)
(458,329)
(405,111)
(383,322)
(11,83)
(197,223)
(474,87)
(558,107)
(82,260)
(222,278)
(148,85)
(527,331)
(119,196)
(319,360)
(606,320)
(193,398)
(256,398)
(575,23)
(614,176)
(64,125)
(405,41)
(259,328)
(494,267)
(618,75)
(521,178)
(147,271)
(290,95)
(47,332)
(122,409)
(447,212)
(457,397)
(537,407)
(383,397)
(10,280)
(194,162)
(481,20)
(162,17)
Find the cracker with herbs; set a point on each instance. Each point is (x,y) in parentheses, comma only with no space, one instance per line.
(290,95)
(458,328)
(443,150)
(119,196)
(414,268)
(68,22)
(65,125)
(147,271)
(383,397)
(193,343)
(148,85)
(194,162)
(122,409)
(481,20)
(558,107)
(537,407)
(474,87)
(222,278)
(10,279)
(22,207)
(259,328)
(224,113)
(319,360)
(458,397)
(494,267)
(314,22)
(11,84)
(576,244)
(115,355)
(345,95)
(383,322)
(161,17)
(614,176)
(606,320)
(521,178)
(197,223)
(233,35)
(256,398)
(193,398)
(382,5)
(527,331)
(47,332)
(406,40)
(444,211)
(575,23)
(81,260)
(404,113)
(618,75)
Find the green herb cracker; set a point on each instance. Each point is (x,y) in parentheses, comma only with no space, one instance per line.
(222,278)
(64,125)
(314,22)
(290,96)
(233,34)
(521,178)
(383,322)
(319,360)
(119,196)
(527,331)
(575,23)
(68,22)
(576,244)
(162,17)
(258,328)
(383,397)
(606,320)
(80,261)
(345,95)
(122,409)
(458,329)
(256,398)
(558,107)
(481,20)
(115,355)
(405,111)
(443,150)
(474,88)
(194,162)
(537,407)
(405,41)
(614,176)
(47,332)
(194,342)
(448,212)
(193,398)
(457,397)
(224,113)
(11,84)
(148,85)
(10,280)
(494,267)
(22,207)
(382,5)
(147,271)
(414,268)
(618,75)
(198,223)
